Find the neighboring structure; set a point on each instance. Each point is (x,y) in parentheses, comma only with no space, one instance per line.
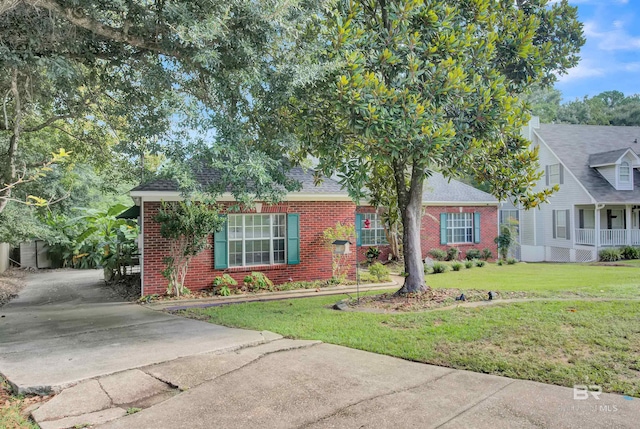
(284,241)
(598,204)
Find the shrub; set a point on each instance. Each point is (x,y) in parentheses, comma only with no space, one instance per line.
(221,285)
(379,271)
(453,254)
(372,254)
(630,252)
(480,263)
(438,268)
(257,281)
(438,254)
(610,255)
(473,254)
(456,266)
(223,291)
(468,264)
(499,262)
(511,261)
(487,253)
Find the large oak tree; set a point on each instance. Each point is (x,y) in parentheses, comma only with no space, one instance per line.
(412,86)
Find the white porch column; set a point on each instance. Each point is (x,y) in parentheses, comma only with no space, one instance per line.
(597,228)
(627,214)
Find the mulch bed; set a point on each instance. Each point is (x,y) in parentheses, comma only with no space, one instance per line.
(432,298)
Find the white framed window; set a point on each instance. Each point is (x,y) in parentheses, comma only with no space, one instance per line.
(257,239)
(561,223)
(374,235)
(459,228)
(554,174)
(625,172)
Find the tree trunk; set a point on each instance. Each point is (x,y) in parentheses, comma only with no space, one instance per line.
(410,204)
(13,144)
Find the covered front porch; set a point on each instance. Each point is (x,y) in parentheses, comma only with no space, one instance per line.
(603,225)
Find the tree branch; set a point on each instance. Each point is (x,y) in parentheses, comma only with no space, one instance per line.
(81,20)
(46,123)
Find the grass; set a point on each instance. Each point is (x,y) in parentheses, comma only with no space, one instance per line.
(556,342)
(548,279)
(10,410)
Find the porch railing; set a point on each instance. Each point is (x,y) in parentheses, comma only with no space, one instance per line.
(586,236)
(608,237)
(613,237)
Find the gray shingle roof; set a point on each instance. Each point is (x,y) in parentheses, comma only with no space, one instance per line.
(438,189)
(607,158)
(574,145)
(207,176)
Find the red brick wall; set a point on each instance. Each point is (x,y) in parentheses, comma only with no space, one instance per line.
(315,259)
(430,230)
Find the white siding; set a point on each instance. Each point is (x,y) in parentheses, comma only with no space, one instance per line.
(527,227)
(608,173)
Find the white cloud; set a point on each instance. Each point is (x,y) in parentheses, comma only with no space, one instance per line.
(615,39)
(581,71)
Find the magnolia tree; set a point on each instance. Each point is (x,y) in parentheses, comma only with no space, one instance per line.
(187,226)
(411,86)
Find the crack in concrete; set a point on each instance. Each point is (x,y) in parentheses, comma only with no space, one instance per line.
(370,398)
(105,392)
(475,404)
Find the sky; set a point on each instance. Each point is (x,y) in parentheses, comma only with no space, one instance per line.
(610,58)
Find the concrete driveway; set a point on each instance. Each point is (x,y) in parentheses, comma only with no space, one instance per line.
(67,326)
(145,369)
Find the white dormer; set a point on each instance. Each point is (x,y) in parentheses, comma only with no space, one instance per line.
(617,167)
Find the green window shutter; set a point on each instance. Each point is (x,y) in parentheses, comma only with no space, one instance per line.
(293,239)
(220,248)
(476,227)
(358,229)
(443,228)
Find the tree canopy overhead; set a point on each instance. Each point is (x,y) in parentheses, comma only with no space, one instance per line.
(421,85)
(121,77)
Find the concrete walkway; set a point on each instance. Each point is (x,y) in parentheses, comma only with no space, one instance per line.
(66,326)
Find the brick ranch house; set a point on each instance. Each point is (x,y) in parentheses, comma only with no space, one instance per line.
(284,241)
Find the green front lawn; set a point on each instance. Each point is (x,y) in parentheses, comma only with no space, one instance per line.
(557,342)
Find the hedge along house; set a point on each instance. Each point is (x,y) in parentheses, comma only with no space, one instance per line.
(454,215)
(284,241)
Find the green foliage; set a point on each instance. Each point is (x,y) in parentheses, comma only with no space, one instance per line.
(499,262)
(257,281)
(473,254)
(187,225)
(506,239)
(630,252)
(379,271)
(456,266)
(511,261)
(487,253)
(438,268)
(339,262)
(438,254)
(479,263)
(372,254)
(610,255)
(453,254)
(223,291)
(468,264)
(411,87)
(133,410)
(225,279)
